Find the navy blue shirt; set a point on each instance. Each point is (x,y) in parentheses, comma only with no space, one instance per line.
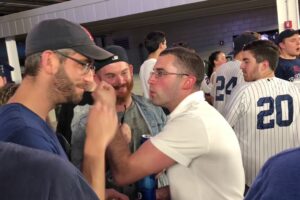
(31,174)
(22,126)
(288,69)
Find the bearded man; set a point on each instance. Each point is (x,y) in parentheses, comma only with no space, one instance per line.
(141,116)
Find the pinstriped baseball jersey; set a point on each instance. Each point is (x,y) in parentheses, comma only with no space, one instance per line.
(227,77)
(265,116)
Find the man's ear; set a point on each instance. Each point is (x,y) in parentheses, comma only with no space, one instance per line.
(97,78)
(281,45)
(265,65)
(161,45)
(49,63)
(189,82)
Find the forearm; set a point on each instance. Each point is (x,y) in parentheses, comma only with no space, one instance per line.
(119,158)
(93,169)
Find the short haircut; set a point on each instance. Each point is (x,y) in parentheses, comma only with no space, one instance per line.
(242,40)
(153,39)
(32,62)
(264,50)
(187,61)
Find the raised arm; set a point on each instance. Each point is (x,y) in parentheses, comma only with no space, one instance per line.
(101,128)
(128,168)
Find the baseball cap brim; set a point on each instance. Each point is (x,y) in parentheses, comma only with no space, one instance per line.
(93,52)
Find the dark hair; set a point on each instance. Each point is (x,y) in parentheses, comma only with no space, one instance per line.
(32,62)
(188,62)
(7,91)
(211,64)
(153,39)
(243,39)
(264,50)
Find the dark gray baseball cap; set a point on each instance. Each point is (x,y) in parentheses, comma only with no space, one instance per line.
(56,34)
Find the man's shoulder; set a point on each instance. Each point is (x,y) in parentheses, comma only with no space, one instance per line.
(231,68)
(146,104)
(61,177)
(12,117)
(142,100)
(149,63)
(230,65)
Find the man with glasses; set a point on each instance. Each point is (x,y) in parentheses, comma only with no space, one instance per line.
(142,117)
(197,146)
(58,69)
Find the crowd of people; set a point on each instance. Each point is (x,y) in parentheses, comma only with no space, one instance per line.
(226,131)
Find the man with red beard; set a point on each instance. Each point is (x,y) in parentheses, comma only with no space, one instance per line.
(136,111)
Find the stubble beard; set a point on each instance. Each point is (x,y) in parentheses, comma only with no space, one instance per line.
(65,88)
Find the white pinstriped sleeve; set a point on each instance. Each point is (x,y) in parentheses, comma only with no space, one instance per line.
(236,106)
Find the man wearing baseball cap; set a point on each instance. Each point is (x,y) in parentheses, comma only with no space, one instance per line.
(289,64)
(141,116)
(58,69)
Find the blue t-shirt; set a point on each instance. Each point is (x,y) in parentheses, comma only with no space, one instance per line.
(22,126)
(288,69)
(31,174)
(279,178)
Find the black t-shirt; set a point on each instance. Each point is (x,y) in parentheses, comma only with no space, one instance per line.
(30,174)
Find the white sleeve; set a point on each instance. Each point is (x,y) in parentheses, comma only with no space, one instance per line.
(181,140)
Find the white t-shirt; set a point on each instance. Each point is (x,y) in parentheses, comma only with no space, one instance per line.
(145,70)
(265,115)
(209,163)
(227,78)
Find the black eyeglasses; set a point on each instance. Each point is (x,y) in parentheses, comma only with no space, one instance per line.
(87,66)
(161,73)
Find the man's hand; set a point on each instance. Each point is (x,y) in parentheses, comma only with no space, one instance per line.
(112,194)
(163,193)
(102,120)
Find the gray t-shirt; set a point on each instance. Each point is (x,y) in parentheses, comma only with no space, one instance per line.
(138,128)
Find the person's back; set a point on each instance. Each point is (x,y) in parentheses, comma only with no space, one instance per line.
(144,74)
(229,75)
(279,178)
(208,164)
(28,174)
(226,79)
(265,111)
(155,42)
(266,119)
